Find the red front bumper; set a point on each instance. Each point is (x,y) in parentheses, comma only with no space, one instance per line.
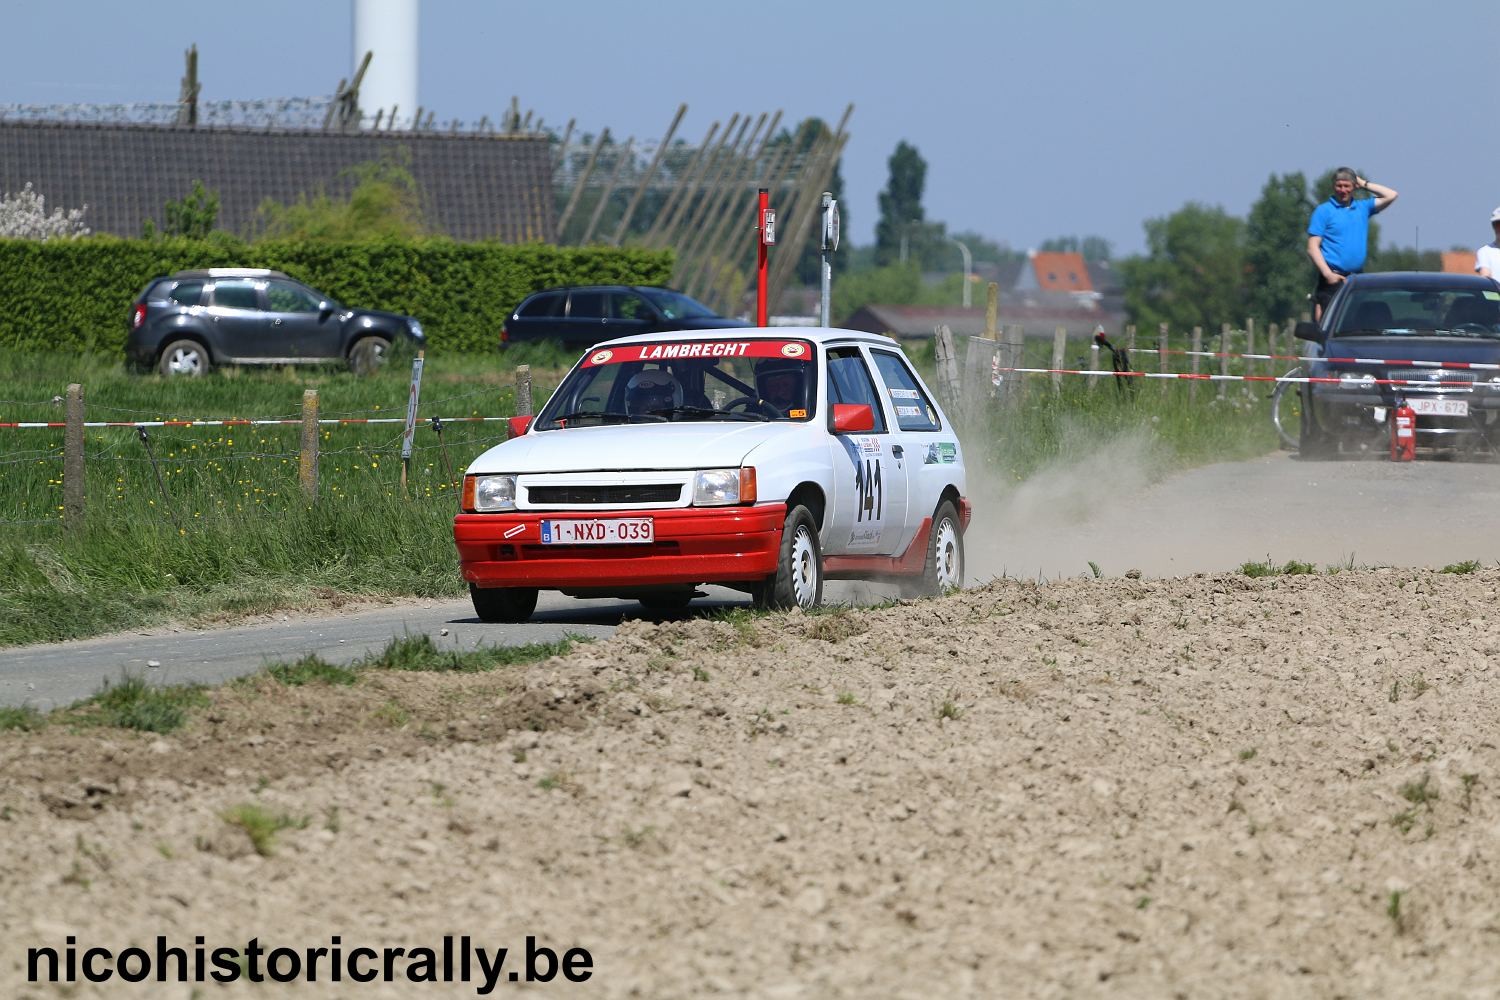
(693,545)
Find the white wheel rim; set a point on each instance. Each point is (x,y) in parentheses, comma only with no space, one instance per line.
(804,568)
(183,362)
(950,558)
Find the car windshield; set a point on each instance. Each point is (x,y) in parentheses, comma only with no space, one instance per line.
(675,305)
(678,381)
(1395,312)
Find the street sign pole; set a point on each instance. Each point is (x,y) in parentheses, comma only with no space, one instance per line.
(765,226)
(828,244)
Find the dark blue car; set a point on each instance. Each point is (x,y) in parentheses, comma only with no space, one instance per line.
(1404,325)
(583,315)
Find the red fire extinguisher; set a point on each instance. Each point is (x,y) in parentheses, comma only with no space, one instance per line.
(1403,432)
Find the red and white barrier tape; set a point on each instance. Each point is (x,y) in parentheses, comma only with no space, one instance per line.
(1299,379)
(340,421)
(1402,362)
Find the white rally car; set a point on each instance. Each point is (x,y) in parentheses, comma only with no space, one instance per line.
(765,460)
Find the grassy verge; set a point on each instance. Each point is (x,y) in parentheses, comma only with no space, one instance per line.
(207,522)
(133,703)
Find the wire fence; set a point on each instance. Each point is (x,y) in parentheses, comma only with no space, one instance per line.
(139,460)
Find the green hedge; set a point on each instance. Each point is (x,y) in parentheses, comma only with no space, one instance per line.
(75,295)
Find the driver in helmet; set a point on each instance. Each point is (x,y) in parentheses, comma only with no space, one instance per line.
(651,392)
(780,382)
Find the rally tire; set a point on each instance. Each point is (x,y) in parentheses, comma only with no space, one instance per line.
(943,569)
(509,605)
(798,580)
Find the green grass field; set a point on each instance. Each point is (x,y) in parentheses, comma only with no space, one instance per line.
(205,523)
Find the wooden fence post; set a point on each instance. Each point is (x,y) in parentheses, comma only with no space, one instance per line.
(73,495)
(307,461)
(1197,346)
(523,390)
(1251,367)
(1273,341)
(992,311)
(1223,358)
(1014,349)
(1059,355)
(1161,348)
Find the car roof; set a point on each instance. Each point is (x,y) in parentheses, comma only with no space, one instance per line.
(230,272)
(1423,280)
(607,288)
(817,334)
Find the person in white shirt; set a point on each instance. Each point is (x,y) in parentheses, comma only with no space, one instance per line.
(1487,258)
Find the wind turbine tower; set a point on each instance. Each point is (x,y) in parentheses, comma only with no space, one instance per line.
(388,28)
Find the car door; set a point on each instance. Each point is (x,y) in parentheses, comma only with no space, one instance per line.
(867,512)
(629,313)
(297,328)
(238,320)
(538,318)
(587,310)
(932,457)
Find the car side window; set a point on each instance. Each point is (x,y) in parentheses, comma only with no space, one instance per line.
(283,296)
(628,305)
(849,381)
(545,305)
(236,295)
(187,293)
(587,305)
(914,411)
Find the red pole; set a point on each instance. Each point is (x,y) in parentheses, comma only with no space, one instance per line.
(760,261)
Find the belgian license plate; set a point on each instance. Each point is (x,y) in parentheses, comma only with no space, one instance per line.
(1440,407)
(599,531)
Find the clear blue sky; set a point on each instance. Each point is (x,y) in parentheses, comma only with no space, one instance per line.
(1036,119)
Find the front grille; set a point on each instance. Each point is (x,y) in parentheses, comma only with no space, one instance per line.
(1433,375)
(635,493)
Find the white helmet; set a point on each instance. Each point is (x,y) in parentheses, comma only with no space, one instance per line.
(652,390)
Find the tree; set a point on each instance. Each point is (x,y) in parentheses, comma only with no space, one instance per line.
(194,216)
(810,265)
(900,203)
(1279,273)
(1093,248)
(1407,259)
(385,202)
(1193,271)
(24,216)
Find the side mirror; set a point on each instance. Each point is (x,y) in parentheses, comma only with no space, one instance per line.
(1308,331)
(852,418)
(519,426)
(325,309)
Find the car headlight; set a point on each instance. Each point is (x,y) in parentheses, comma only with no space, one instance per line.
(1356,380)
(494,493)
(719,487)
(415,328)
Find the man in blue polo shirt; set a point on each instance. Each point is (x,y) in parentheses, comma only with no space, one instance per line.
(1338,233)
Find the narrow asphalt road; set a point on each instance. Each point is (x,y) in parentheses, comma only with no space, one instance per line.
(1098,511)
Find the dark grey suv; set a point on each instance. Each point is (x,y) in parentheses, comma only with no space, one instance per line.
(186,323)
(583,315)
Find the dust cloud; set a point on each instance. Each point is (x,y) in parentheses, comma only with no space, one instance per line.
(1115,504)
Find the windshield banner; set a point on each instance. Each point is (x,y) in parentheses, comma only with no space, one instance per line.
(795,350)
